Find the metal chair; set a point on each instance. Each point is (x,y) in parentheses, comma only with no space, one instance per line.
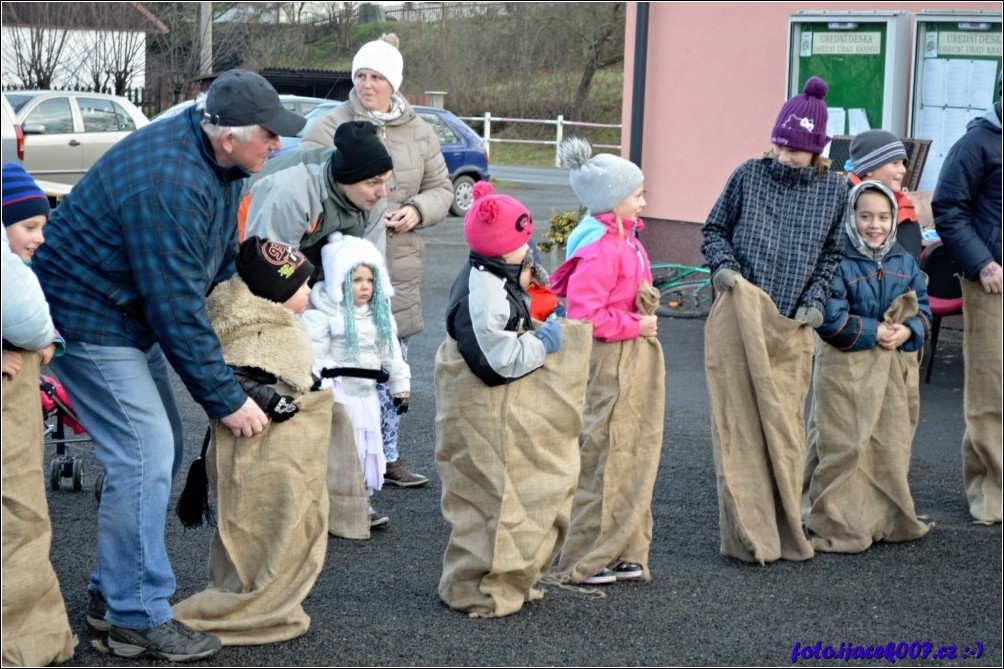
(944,292)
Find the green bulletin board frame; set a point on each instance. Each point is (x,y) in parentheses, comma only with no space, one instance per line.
(930,28)
(868,81)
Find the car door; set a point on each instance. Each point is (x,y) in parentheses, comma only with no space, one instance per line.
(53,149)
(105,123)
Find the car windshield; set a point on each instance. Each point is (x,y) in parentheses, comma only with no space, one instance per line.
(18,100)
(319,110)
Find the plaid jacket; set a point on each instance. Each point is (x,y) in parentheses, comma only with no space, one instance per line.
(782,228)
(133,250)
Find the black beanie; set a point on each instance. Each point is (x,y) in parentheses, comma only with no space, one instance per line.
(360,154)
(272,271)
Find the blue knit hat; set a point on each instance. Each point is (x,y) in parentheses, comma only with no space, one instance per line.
(22,198)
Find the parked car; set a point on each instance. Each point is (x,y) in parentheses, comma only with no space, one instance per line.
(298,103)
(463,150)
(12,138)
(65,132)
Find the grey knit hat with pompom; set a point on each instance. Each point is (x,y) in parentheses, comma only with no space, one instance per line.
(601,182)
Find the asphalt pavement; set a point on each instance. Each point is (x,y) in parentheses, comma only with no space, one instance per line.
(375,603)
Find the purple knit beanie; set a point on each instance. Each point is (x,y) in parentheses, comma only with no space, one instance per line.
(801,125)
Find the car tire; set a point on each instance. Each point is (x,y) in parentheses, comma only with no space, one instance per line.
(463,194)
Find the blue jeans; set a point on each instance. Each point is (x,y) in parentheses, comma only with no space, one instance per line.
(124,399)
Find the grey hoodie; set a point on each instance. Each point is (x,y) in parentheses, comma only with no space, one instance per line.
(850,221)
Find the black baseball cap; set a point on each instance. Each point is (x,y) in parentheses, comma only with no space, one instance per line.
(240,98)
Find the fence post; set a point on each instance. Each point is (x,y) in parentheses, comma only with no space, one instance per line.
(557,143)
(487,134)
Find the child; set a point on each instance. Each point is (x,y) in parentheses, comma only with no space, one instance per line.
(352,331)
(536,281)
(270,539)
(772,241)
(36,631)
(866,374)
(881,156)
(621,439)
(508,414)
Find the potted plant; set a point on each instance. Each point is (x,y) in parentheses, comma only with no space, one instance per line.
(560,226)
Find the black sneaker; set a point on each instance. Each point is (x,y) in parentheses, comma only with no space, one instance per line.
(605,577)
(628,571)
(96,610)
(172,641)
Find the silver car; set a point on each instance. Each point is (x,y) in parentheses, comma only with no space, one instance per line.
(12,140)
(65,132)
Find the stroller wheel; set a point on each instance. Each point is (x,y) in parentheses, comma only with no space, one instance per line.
(99,483)
(78,475)
(55,473)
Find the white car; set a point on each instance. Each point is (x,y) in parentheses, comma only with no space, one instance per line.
(13,140)
(65,132)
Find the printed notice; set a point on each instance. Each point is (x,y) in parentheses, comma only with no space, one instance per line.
(847,43)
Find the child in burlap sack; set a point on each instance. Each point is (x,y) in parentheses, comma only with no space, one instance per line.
(36,631)
(271,535)
(772,242)
(353,332)
(606,273)
(508,411)
(867,399)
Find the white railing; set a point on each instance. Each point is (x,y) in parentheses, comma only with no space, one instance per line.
(560,124)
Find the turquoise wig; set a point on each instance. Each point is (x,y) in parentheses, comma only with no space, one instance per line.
(379,311)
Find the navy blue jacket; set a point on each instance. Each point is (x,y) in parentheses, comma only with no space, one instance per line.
(133,250)
(967,199)
(862,291)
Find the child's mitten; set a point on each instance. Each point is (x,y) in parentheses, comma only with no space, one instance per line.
(724,279)
(550,334)
(811,316)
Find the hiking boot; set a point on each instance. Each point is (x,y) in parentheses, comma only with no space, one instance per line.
(398,474)
(96,610)
(605,577)
(172,641)
(628,571)
(378,520)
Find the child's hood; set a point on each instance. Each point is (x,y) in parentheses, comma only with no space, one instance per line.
(850,224)
(342,254)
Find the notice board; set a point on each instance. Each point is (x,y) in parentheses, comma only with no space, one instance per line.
(956,75)
(863,58)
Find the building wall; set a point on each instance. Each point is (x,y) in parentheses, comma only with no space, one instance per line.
(715,82)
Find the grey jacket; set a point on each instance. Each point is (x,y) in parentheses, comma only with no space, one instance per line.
(420,180)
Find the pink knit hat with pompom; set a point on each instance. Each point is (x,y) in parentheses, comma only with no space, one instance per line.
(496,224)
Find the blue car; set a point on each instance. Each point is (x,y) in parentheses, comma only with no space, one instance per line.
(463,150)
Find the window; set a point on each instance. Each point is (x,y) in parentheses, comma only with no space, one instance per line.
(443,132)
(54,114)
(99,115)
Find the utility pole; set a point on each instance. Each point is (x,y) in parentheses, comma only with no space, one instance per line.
(206,38)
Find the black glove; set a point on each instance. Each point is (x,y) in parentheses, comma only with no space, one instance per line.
(283,408)
(401,404)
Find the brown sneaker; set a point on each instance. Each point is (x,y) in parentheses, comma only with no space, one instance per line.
(398,474)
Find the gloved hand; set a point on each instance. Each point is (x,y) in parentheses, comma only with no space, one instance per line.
(401,405)
(724,279)
(550,334)
(811,316)
(282,409)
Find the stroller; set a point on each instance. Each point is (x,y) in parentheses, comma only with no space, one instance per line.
(57,412)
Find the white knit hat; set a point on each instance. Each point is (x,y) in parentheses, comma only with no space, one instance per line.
(342,254)
(381,57)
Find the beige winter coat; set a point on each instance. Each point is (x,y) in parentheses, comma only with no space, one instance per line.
(420,179)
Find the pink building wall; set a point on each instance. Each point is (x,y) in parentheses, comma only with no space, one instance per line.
(715,82)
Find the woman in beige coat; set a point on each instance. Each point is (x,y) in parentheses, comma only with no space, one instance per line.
(419,196)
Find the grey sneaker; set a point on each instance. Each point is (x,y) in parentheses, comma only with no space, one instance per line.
(397,473)
(378,520)
(172,641)
(96,610)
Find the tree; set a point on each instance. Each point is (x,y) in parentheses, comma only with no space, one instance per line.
(34,43)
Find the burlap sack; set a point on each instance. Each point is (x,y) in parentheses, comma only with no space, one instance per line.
(620,445)
(508,459)
(758,366)
(865,409)
(271,536)
(348,501)
(981,444)
(36,631)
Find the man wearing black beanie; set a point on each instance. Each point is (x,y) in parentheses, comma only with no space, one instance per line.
(301,198)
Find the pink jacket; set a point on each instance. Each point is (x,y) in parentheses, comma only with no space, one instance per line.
(600,279)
